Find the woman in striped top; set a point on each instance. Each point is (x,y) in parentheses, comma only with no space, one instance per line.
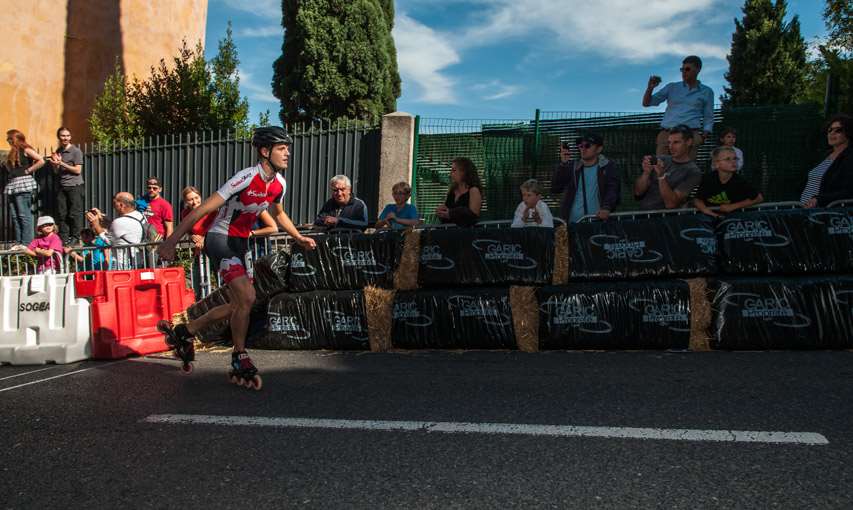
(832,179)
(21,163)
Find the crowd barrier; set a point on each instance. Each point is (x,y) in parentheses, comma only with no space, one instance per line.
(126,306)
(43,320)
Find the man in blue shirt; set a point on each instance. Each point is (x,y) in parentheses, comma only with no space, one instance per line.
(688,103)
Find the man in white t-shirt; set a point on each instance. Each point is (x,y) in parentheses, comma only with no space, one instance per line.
(128,227)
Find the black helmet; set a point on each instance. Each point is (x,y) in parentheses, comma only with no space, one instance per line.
(268,136)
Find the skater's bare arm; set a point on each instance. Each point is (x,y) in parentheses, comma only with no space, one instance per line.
(284,220)
(269,225)
(167,247)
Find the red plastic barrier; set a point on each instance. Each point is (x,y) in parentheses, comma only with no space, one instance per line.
(126,306)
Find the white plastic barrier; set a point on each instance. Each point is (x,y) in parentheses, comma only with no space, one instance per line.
(42,320)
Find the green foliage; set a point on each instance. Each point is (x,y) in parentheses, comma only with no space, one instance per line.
(838,15)
(112,120)
(185,95)
(338,61)
(767,63)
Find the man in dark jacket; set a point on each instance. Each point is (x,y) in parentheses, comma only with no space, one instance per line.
(591,183)
(342,210)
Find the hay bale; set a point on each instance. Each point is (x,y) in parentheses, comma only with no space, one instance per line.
(561,255)
(525,317)
(379,308)
(406,276)
(700,315)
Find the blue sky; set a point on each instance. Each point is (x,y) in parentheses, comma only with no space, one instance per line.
(505,58)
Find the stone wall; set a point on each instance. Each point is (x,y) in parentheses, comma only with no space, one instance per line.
(61,52)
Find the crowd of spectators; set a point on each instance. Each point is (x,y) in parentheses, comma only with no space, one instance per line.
(587,185)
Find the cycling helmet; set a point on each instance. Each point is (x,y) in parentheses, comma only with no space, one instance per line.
(268,136)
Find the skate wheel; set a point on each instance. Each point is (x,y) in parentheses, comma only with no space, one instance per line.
(256,382)
(187,368)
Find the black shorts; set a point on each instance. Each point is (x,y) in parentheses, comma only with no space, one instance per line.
(227,255)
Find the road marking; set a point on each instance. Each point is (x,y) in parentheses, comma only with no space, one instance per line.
(734,436)
(10,388)
(25,373)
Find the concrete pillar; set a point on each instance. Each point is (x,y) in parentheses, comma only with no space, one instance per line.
(396,154)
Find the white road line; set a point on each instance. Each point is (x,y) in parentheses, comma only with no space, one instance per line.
(735,436)
(30,372)
(10,388)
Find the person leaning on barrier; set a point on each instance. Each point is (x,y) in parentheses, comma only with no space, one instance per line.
(342,210)
(688,102)
(464,198)
(67,163)
(591,183)
(401,214)
(666,181)
(128,227)
(724,187)
(832,179)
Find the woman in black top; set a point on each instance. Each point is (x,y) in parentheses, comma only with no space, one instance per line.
(21,163)
(833,179)
(464,199)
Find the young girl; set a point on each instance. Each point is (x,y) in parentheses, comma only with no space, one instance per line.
(399,215)
(47,247)
(728,137)
(532,211)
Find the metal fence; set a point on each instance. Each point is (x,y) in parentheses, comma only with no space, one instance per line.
(780,145)
(206,160)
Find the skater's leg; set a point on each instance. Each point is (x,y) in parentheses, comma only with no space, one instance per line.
(242,299)
(214,315)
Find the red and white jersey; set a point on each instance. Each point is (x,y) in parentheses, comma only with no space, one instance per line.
(246,196)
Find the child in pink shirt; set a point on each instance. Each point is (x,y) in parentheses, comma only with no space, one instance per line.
(46,247)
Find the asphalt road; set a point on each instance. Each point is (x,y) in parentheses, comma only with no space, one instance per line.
(81,439)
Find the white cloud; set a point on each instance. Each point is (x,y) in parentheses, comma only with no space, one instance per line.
(422,54)
(256,91)
(496,89)
(615,29)
(265,31)
(262,8)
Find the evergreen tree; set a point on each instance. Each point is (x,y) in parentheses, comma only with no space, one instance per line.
(338,61)
(187,96)
(231,112)
(767,63)
(112,120)
(838,15)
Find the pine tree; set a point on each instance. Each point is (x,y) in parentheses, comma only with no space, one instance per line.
(112,120)
(230,112)
(767,63)
(338,61)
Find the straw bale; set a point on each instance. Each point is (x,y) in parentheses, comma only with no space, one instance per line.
(561,256)
(700,315)
(406,276)
(525,317)
(379,307)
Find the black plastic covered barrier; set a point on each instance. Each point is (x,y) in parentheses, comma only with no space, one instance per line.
(683,245)
(486,256)
(617,315)
(800,241)
(316,320)
(453,319)
(271,274)
(346,261)
(783,313)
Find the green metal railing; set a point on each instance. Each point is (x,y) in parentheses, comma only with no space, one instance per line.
(780,144)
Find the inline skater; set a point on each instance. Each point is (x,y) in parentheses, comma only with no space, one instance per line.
(239,202)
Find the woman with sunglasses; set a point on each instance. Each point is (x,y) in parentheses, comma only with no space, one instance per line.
(21,163)
(832,178)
